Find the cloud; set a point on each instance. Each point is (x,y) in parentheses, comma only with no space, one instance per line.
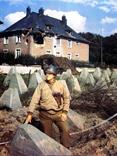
(104,8)
(13,17)
(13,1)
(109,20)
(74,19)
(114,31)
(112,4)
(86,2)
(20,2)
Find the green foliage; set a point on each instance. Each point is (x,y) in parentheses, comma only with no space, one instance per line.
(7,58)
(106,45)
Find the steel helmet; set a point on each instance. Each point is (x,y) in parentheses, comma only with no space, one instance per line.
(51,69)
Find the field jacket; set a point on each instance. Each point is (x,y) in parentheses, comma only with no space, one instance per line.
(43,97)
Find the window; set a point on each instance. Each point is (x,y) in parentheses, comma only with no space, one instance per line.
(17,52)
(69,56)
(18,39)
(58,53)
(6,40)
(69,44)
(48,27)
(5,50)
(58,42)
(77,55)
(48,52)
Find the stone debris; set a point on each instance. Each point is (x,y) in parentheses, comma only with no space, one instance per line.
(29,141)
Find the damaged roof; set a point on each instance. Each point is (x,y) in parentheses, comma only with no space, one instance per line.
(44,23)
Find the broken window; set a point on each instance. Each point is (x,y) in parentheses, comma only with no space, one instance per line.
(38,38)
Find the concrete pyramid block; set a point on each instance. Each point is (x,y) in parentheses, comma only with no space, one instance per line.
(8,77)
(34,80)
(109,71)
(73,84)
(10,99)
(106,76)
(29,141)
(114,75)
(77,119)
(83,75)
(101,83)
(90,80)
(97,73)
(16,81)
(65,76)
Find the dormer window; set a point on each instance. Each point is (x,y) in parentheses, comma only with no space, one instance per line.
(18,39)
(48,27)
(6,40)
(69,32)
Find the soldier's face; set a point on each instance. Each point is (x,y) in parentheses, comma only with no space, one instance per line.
(50,76)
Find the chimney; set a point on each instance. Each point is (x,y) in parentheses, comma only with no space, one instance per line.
(64,20)
(41,11)
(28,11)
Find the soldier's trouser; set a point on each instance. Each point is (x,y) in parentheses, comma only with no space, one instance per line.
(47,121)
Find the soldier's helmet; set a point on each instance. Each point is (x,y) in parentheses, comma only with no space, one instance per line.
(51,69)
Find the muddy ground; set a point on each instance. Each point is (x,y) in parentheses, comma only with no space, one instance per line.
(95,106)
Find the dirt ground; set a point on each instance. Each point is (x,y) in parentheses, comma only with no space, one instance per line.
(101,141)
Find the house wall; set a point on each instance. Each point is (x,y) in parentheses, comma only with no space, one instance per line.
(12,45)
(78,51)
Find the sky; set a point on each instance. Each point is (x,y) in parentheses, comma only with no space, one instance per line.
(94,16)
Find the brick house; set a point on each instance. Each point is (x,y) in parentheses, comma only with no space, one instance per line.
(37,34)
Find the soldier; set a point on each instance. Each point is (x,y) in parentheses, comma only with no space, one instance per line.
(52,99)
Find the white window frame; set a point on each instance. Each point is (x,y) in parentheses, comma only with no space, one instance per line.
(6,40)
(18,39)
(17,53)
(58,42)
(69,44)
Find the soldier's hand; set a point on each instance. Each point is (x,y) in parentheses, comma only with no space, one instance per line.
(28,119)
(63,116)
